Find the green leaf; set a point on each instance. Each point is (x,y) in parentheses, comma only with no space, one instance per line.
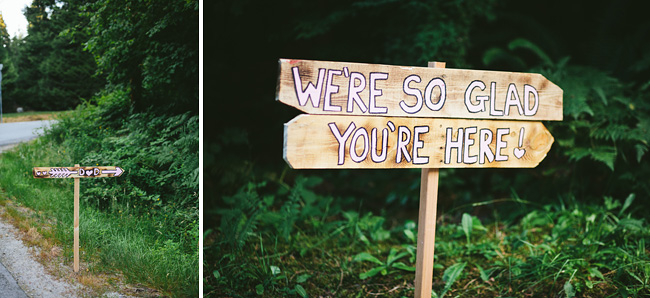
(606,155)
(484,275)
(393,256)
(402,266)
(301,291)
(610,203)
(631,224)
(594,272)
(477,225)
(576,104)
(259,289)
(569,290)
(453,272)
(380,234)
(372,272)
(577,153)
(450,276)
(467,225)
(628,203)
(601,94)
(216,274)
(275,270)
(640,151)
(410,235)
(363,237)
(303,278)
(364,256)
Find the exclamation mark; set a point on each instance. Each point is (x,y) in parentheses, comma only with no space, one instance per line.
(519,151)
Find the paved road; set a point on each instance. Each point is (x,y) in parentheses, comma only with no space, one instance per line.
(8,286)
(14,133)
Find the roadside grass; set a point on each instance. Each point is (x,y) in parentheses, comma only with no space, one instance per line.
(280,240)
(125,242)
(32,116)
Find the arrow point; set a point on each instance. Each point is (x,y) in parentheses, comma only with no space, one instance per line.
(118,171)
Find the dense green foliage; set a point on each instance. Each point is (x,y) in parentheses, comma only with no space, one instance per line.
(159,151)
(573,226)
(280,240)
(158,53)
(47,68)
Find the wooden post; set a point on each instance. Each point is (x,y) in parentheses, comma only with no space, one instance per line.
(426,226)
(76,223)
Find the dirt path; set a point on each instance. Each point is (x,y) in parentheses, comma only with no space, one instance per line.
(30,275)
(29,117)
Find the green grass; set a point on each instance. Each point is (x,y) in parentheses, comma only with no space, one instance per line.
(125,241)
(275,240)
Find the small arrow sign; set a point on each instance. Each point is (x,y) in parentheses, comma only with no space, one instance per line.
(116,173)
(77,172)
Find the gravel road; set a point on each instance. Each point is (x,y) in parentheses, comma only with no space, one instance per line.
(29,274)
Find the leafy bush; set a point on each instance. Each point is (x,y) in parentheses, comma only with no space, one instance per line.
(601,145)
(158,152)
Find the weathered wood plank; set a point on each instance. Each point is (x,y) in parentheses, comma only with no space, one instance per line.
(325,142)
(338,88)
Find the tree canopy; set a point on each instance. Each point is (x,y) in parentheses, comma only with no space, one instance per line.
(76,48)
(158,56)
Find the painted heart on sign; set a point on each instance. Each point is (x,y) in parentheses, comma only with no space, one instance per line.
(519,152)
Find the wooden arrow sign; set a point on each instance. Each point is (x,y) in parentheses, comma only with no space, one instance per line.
(77,172)
(339,88)
(330,142)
